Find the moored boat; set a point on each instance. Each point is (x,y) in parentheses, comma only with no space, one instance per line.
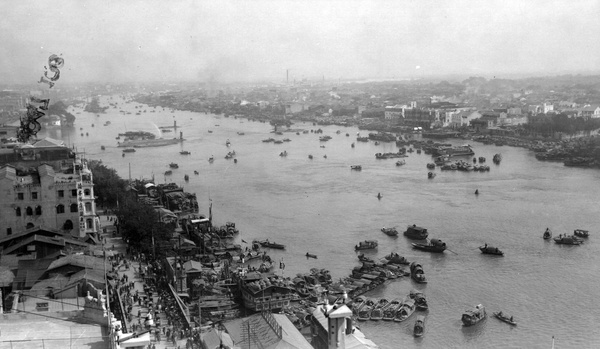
(357,304)
(363,258)
(390,311)
(184,152)
(366,245)
(547,234)
(364,313)
(173,165)
(395,258)
(419,327)
(356,167)
(310,255)
(567,240)
(406,309)
(420,300)
(417,233)
(270,244)
(390,231)
(129,150)
(377,312)
(581,233)
(473,316)
(417,273)
(502,317)
(491,250)
(435,245)
(497,158)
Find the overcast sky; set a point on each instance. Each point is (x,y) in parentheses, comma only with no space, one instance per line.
(225,41)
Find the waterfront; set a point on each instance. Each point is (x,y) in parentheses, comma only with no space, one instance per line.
(322,207)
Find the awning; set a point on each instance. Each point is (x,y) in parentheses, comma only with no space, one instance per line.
(141,340)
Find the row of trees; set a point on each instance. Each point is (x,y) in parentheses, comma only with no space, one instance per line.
(545,124)
(139,223)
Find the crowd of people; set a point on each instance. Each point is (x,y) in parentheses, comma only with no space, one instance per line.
(142,299)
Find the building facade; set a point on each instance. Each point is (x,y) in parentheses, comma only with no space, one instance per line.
(46,184)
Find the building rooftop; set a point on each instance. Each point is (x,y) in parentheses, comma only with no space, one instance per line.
(43,330)
(268,331)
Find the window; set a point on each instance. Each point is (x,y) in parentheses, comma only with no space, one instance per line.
(86,192)
(20,196)
(89,223)
(38,210)
(29,211)
(73,192)
(73,207)
(8,231)
(18,210)
(60,208)
(34,195)
(68,225)
(88,207)
(29,225)
(61,193)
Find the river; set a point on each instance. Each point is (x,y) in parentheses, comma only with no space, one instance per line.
(322,207)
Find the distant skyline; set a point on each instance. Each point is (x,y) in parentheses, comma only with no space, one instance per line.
(229,41)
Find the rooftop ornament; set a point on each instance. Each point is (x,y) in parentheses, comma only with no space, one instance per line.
(36,107)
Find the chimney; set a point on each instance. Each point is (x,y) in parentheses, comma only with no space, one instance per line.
(349,326)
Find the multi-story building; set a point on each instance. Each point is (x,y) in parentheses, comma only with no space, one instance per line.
(394,112)
(46,184)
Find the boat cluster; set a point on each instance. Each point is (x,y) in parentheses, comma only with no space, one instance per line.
(398,310)
(399,154)
(462,165)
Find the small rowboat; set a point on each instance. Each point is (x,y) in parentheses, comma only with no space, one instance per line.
(419,327)
(508,320)
(310,255)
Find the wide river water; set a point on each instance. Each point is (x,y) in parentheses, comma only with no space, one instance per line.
(323,207)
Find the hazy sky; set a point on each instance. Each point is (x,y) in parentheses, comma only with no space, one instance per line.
(248,40)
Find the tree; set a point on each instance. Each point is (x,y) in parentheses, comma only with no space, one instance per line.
(139,224)
(108,186)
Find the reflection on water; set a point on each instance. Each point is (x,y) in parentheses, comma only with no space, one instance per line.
(320,206)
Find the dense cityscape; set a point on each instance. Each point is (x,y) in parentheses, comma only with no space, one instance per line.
(209,175)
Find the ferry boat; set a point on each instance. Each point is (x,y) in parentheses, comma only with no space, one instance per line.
(462,150)
(264,293)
